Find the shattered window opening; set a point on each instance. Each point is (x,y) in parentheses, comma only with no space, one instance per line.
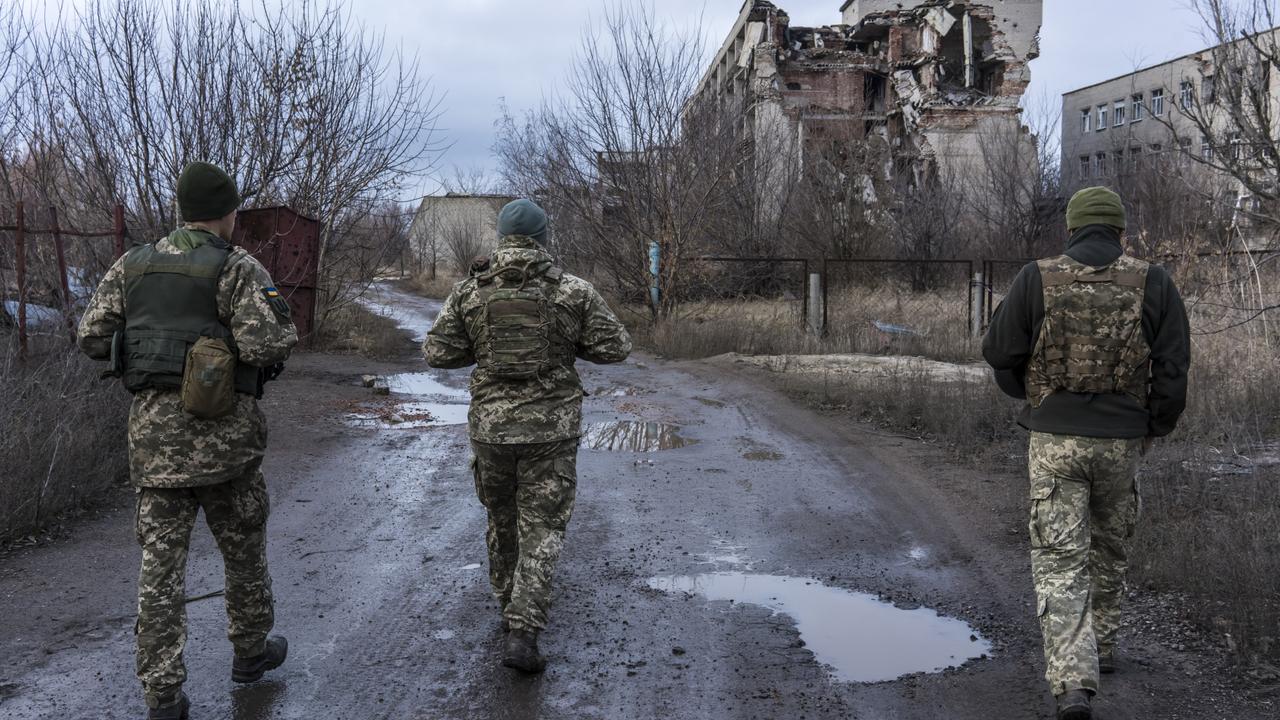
(1137,101)
(1157,102)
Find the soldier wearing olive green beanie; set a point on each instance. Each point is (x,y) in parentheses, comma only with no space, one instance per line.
(1098,342)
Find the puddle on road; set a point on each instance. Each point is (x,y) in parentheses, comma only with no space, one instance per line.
(425,385)
(633,436)
(858,637)
(410,415)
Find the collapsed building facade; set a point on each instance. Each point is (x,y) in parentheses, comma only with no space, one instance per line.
(928,80)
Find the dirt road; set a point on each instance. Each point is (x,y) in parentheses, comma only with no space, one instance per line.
(732,555)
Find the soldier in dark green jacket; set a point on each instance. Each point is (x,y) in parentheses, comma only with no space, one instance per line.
(153,306)
(522,321)
(1098,344)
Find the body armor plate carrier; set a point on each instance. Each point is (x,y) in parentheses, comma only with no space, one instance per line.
(519,338)
(1091,340)
(171,301)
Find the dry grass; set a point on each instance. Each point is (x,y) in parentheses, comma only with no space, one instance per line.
(357,330)
(62,433)
(427,286)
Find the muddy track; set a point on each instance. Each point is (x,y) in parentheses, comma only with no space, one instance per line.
(379,569)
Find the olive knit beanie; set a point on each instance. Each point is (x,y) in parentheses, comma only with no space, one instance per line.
(205,192)
(1095,206)
(523,217)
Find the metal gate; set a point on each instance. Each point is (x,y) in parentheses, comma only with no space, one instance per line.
(288,244)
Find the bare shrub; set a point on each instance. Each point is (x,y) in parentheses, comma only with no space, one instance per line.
(62,434)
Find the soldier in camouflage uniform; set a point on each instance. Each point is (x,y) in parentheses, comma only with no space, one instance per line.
(1099,345)
(523,322)
(150,309)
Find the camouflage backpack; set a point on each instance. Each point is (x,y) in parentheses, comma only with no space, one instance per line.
(1091,340)
(518,337)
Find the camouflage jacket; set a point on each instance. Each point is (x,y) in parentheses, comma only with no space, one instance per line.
(168,448)
(541,410)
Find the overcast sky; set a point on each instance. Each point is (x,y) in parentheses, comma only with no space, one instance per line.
(479,51)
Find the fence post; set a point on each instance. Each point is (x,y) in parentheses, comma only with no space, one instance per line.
(977,304)
(20,267)
(61,255)
(118,231)
(817,318)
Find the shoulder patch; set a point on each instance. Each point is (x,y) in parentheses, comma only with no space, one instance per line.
(278,304)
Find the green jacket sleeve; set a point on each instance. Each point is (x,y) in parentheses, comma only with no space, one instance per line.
(448,345)
(604,338)
(104,316)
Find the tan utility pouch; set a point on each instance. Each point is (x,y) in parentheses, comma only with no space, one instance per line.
(209,379)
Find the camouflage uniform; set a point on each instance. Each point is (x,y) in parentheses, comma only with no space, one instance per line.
(181,464)
(1084,506)
(525,433)
(1084,503)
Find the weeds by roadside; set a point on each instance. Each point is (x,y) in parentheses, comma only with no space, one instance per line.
(353,328)
(62,433)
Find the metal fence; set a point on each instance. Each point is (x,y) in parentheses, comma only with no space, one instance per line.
(57,234)
(734,286)
(875,304)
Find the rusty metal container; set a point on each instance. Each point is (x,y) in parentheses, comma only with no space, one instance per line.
(288,244)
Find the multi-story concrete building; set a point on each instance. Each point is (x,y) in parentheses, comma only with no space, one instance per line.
(1110,128)
(930,78)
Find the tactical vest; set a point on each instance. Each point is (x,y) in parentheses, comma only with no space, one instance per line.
(170,302)
(518,338)
(1091,340)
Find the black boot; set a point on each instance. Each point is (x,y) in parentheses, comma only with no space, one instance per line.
(521,652)
(247,670)
(177,707)
(1075,705)
(1106,661)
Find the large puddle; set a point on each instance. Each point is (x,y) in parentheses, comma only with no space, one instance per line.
(418,400)
(858,637)
(633,436)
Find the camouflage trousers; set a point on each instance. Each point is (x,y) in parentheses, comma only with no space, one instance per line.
(528,491)
(1084,505)
(236,512)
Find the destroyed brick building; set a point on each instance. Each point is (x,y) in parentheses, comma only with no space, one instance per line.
(929,78)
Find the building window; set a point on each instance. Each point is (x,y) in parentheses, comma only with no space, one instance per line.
(1099,164)
(1117,113)
(1117,162)
(1084,166)
(1186,94)
(1135,156)
(1086,120)
(1135,106)
(1208,90)
(1102,118)
(1157,102)
(1155,148)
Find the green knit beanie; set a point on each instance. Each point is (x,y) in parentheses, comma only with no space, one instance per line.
(523,217)
(205,192)
(1095,206)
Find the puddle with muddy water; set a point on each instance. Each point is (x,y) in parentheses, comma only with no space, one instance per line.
(633,436)
(419,400)
(858,637)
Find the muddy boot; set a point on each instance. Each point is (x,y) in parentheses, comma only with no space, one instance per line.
(177,707)
(251,669)
(521,652)
(1075,705)
(1106,661)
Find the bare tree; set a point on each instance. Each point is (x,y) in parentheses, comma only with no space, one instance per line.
(623,160)
(1230,110)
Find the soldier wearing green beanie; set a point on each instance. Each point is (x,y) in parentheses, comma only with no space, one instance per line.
(1098,344)
(192,324)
